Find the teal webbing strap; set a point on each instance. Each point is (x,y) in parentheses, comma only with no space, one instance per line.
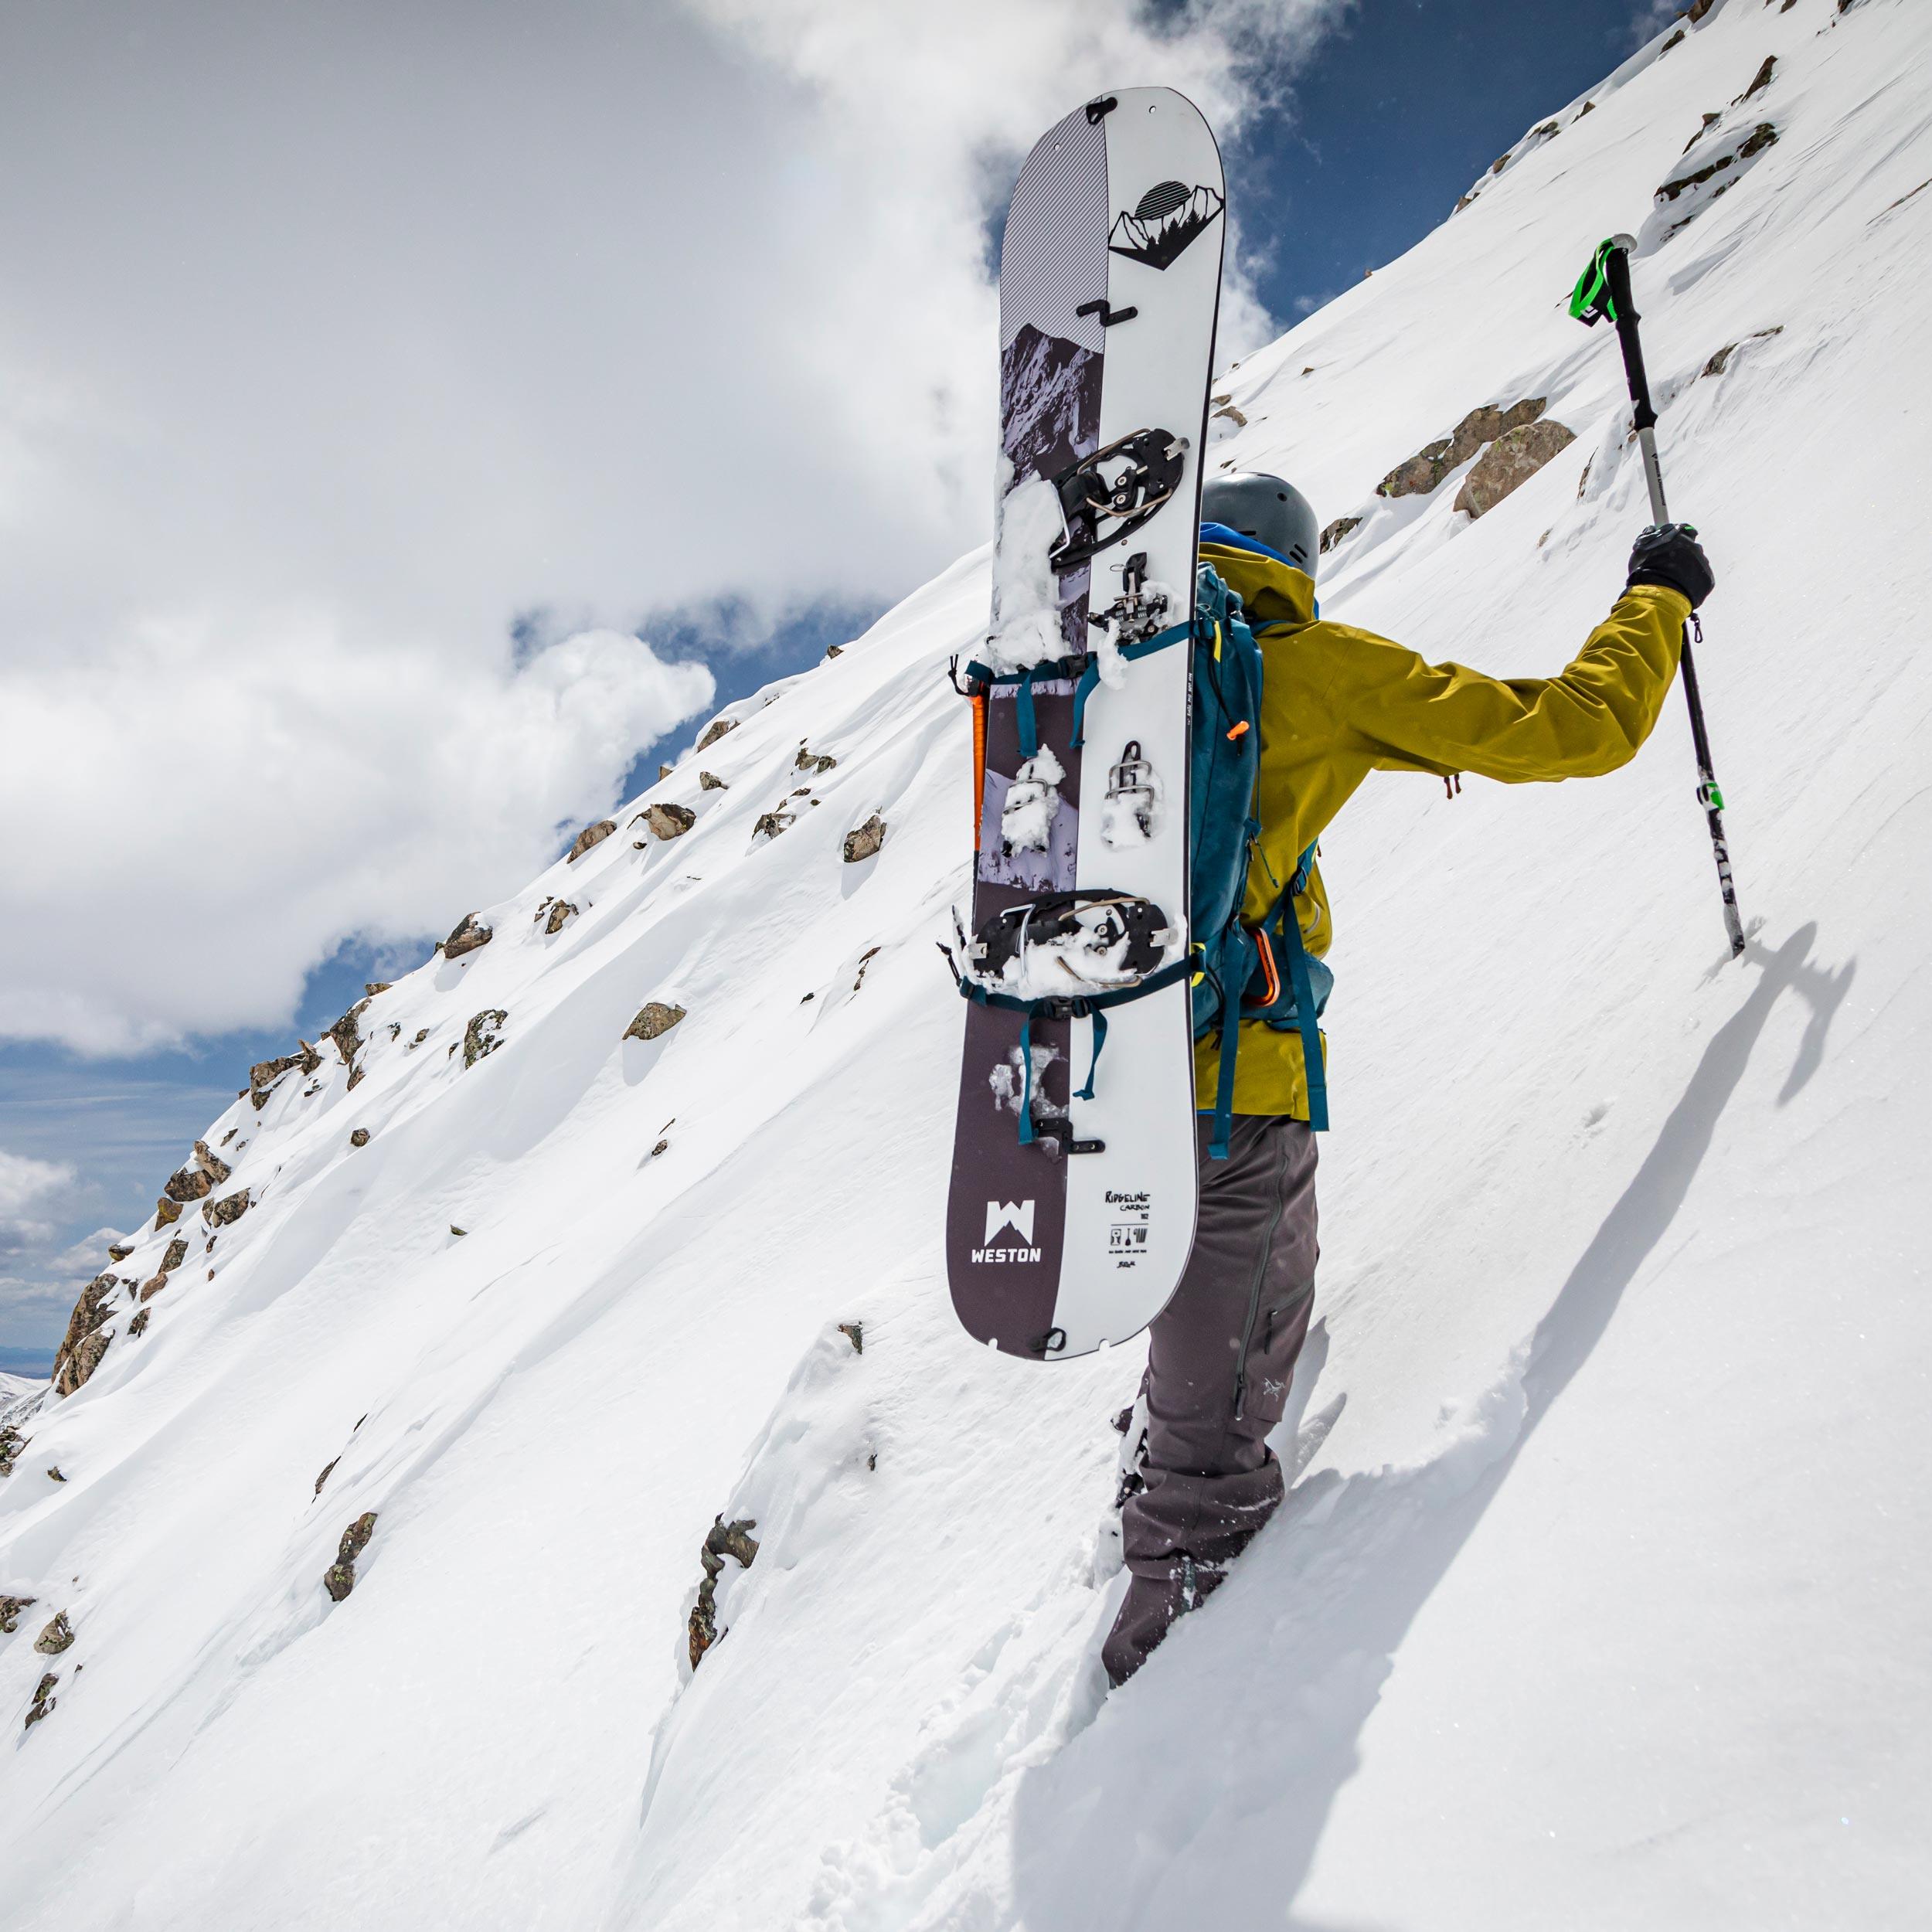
(1307,1018)
(1092,1066)
(1026,1083)
(1141,648)
(1029,726)
(1224,1081)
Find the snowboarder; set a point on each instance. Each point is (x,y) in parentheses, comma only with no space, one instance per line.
(1337,704)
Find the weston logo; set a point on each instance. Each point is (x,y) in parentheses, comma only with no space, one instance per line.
(1001,1215)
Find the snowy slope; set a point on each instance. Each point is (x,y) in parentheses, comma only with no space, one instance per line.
(1599,1600)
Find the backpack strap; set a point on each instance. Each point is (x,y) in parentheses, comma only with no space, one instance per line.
(1302,982)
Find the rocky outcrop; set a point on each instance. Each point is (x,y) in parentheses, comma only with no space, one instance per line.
(339,1578)
(1336,531)
(228,1210)
(854,1333)
(809,761)
(347,1034)
(177,1253)
(561,913)
(722,1539)
(328,1469)
(1715,366)
(1425,469)
(57,1637)
(86,1341)
(11,1443)
(359,1137)
(191,1183)
(139,1324)
(710,781)
(588,839)
(653,1018)
(167,1214)
(1752,144)
(470,933)
(668,821)
(1510,462)
(119,1251)
(864,841)
(10,1610)
(44,1700)
(715,730)
(263,1075)
(483,1035)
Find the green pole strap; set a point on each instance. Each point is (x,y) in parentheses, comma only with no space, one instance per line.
(1591,301)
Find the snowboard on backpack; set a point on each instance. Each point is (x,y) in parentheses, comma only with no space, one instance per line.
(1071,1211)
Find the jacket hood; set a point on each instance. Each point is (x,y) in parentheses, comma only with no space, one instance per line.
(1274,593)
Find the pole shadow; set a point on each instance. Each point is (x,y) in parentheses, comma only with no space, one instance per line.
(1132,1825)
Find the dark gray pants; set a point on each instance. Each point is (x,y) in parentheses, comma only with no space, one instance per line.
(1219,1359)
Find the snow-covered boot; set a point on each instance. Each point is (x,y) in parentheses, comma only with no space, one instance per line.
(1130,1425)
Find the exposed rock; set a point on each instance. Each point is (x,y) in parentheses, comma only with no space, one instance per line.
(710,781)
(139,1324)
(263,1074)
(167,1214)
(1710,120)
(771,823)
(716,730)
(1426,468)
(177,1253)
(44,1701)
(1510,462)
(481,1038)
(1337,531)
(1715,366)
(152,1287)
(371,986)
(456,1230)
(471,933)
(722,1539)
(86,1341)
(359,1137)
(590,836)
(422,1034)
(11,1443)
(833,651)
(347,1036)
(339,1578)
(229,1209)
(665,771)
(10,1610)
(1232,414)
(661,1147)
(53,1473)
(668,821)
(58,1636)
(356,1076)
(865,960)
(811,761)
(1676,39)
(324,1476)
(865,841)
(560,913)
(119,1251)
(653,1018)
(854,1333)
(1760,137)
(188,1184)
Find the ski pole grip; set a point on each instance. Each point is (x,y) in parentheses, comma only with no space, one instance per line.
(1623,306)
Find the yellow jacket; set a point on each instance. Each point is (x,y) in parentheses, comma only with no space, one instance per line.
(1338,703)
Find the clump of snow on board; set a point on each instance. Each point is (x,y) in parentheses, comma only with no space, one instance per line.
(1026,818)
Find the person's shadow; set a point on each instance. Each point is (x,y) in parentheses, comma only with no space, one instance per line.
(1144,1819)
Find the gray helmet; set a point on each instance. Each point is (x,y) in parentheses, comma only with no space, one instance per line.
(1270,509)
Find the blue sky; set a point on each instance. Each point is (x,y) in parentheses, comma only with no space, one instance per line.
(1401,108)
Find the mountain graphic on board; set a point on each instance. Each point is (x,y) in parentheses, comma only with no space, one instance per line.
(1050,397)
(1165,220)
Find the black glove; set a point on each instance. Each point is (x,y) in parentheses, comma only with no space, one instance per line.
(1670,554)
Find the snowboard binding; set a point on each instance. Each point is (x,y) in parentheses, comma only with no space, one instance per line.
(1074,942)
(1140,610)
(1152,461)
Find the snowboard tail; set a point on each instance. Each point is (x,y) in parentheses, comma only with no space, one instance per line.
(1071,1211)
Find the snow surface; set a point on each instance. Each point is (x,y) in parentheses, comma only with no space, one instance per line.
(1600,1598)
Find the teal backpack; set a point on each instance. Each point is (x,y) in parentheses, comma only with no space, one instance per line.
(1272,975)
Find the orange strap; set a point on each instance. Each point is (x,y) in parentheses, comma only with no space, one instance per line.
(979,761)
(1268,967)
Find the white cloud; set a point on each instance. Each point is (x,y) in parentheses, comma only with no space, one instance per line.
(26,1186)
(338,337)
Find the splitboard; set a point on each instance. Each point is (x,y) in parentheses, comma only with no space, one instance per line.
(1071,1212)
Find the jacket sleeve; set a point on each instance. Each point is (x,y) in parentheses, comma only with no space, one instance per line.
(1406,714)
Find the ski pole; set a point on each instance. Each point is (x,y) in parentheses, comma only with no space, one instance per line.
(1604,291)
